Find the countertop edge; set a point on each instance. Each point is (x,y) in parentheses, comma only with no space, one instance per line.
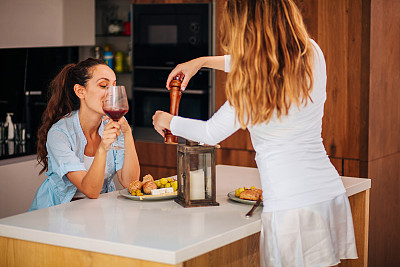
(127,250)
(19,159)
(354,185)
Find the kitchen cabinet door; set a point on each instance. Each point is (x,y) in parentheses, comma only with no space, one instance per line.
(46,23)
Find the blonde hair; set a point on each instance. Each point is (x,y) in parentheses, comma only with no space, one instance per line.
(271,58)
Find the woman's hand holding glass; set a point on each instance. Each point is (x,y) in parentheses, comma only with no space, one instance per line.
(115,105)
(110,133)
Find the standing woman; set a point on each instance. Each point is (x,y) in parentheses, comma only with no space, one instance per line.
(276,88)
(75,136)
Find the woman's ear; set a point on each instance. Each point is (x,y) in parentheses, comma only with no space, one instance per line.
(79,91)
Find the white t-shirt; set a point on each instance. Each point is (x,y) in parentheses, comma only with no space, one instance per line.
(294,168)
(87,161)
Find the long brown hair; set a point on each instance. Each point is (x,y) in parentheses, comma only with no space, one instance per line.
(63,100)
(271,58)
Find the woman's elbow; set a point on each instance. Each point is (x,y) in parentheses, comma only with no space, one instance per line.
(93,196)
(211,141)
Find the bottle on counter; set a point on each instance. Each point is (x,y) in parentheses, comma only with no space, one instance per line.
(10,126)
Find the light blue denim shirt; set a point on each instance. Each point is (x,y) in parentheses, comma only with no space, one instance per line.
(65,147)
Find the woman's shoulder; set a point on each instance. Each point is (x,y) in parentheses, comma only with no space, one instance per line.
(65,124)
(317,50)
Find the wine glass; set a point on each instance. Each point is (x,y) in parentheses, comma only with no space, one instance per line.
(115,105)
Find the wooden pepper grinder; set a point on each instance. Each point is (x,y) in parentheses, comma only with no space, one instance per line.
(175,97)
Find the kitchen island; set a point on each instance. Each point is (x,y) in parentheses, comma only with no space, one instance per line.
(115,231)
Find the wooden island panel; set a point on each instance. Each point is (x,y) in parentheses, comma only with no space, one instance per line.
(16,252)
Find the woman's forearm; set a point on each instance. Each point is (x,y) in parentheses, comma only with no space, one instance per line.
(130,169)
(214,62)
(91,182)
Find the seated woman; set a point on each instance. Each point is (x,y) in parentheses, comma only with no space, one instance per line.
(75,137)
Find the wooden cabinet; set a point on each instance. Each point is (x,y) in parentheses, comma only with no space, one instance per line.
(345,47)
(361,123)
(157,159)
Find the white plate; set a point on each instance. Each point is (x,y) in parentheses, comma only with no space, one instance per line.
(232,196)
(125,193)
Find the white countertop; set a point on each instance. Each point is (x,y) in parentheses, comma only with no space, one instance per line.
(160,231)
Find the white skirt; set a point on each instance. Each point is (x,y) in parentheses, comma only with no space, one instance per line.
(317,235)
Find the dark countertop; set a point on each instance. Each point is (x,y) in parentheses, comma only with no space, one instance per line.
(11,149)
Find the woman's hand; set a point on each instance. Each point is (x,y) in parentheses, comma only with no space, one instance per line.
(185,71)
(125,127)
(110,133)
(161,121)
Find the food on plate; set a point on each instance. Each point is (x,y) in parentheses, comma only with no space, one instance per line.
(147,178)
(154,187)
(167,183)
(238,191)
(259,191)
(161,191)
(134,186)
(148,186)
(138,193)
(251,193)
(175,185)
(163,181)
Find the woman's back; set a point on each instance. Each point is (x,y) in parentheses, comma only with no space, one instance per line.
(295,170)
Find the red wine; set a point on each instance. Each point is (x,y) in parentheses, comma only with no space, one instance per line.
(115,114)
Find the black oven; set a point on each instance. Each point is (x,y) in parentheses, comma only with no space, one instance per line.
(191,106)
(165,35)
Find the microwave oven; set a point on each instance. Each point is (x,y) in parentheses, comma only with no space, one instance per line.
(169,34)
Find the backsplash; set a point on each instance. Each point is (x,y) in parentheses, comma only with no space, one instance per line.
(25,74)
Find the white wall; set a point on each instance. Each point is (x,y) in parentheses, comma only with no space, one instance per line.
(45,23)
(18,184)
